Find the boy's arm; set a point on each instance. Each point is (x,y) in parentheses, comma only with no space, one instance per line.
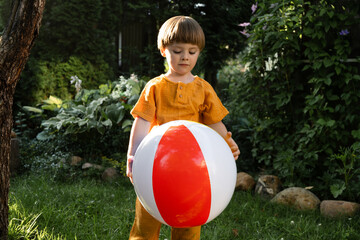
(220,128)
(139,130)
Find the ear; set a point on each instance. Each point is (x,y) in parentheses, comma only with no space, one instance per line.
(162,52)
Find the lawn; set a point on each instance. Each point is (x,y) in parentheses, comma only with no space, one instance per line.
(41,208)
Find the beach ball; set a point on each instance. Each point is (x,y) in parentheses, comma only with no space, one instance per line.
(184,173)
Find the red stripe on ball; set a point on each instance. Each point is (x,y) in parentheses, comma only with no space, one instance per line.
(181,183)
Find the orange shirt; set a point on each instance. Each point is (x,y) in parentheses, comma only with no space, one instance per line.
(162,101)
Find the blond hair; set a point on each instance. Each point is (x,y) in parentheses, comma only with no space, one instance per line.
(181,29)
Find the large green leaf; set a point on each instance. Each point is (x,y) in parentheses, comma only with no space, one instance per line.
(115,112)
(33,109)
(337,189)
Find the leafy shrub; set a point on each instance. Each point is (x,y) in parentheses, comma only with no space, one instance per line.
(28,118)
(53,158)
(343,172)
(94,126)
(230,76)
(96,115)
(44,78)
(43,156)
(299,92)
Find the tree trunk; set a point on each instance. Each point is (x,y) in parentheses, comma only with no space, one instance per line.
(15,44)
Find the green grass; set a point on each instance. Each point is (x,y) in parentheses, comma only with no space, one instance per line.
(87,209)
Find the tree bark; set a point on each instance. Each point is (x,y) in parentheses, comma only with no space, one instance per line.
(15,45)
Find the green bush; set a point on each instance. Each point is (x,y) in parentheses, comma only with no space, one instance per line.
(299,92)
(45,78)
(76,38)
(343,173)
(28,119)
(230,76)
(54,157)
(94,125)
(96,115)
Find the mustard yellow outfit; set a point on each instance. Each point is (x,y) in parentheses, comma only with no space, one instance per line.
(162,101)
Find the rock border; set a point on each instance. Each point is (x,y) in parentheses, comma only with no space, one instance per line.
(268,187)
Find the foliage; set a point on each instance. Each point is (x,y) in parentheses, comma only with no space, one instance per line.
(345,169)
(85,29)
(44,78)
(93,126)
(54,156)
(236,121)
(97,116)
(28,119)
(76,37)
(96,109)
(299,91)
(219,20)
(52,104)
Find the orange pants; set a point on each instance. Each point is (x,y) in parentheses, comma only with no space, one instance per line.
(146,227)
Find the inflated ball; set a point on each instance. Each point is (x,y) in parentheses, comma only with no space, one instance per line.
(184,173)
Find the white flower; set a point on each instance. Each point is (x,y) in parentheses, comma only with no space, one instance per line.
(134,77)
(75,79)
(292,222)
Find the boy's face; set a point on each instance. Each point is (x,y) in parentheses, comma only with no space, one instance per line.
(181,57)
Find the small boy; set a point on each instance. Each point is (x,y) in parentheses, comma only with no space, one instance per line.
(175,95)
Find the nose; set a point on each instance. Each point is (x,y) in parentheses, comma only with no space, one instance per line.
(185,56)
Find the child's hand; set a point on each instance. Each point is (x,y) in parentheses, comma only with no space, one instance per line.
(233,146)
(129,164)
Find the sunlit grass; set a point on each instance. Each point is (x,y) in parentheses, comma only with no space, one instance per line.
(87,209)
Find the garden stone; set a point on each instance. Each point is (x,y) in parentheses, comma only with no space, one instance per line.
(300,198)
(337,208)
(87,165)
(90,165)
(75,160)
(110,174)
(244,182)
(268,186)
